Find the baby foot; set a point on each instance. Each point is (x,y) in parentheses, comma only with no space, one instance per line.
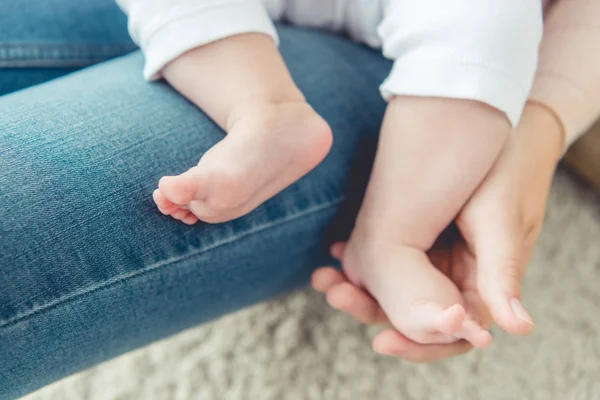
(268,147)
(420,301)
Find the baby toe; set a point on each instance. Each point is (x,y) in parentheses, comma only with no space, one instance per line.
(451,320)
(180,189)
(164,205)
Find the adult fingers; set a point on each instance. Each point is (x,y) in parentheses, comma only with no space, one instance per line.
(325,278)
(337,250)
(359,304)
(392,343)
(500,266)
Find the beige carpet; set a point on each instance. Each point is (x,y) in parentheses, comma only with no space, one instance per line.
(297,348)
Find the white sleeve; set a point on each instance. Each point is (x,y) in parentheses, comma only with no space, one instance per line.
(165,29)
(485,50)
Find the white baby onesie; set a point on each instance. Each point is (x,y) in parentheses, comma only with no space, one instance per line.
(484,50)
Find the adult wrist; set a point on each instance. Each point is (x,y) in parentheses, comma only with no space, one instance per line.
(544,130)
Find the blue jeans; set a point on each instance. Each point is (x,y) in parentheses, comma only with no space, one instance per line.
(89,269)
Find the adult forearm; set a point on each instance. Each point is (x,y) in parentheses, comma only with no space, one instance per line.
(568,78)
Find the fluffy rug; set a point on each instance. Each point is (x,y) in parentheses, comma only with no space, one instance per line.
(297,348)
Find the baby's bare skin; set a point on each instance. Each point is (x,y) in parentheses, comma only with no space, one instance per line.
(274,136)
(499,226)
(433,153)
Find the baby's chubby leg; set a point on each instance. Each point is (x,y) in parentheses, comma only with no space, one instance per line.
(432,155)
(273,136)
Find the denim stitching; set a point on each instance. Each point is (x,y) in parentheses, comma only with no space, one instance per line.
(162,264)
(37,55)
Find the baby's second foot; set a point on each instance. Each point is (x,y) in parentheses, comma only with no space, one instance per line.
(432,155)
(420,301)
(268,147)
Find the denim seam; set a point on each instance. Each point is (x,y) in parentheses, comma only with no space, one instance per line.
(162,264)
(44,54)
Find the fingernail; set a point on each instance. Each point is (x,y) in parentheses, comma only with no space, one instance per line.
(520,311)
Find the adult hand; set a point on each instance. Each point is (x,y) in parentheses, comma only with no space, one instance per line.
(486,257)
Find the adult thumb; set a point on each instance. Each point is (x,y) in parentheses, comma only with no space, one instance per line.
(501,263)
